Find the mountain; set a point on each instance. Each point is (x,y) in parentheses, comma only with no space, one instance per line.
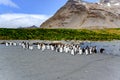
(112,2)
(16,20)
(78,14)
(29,27)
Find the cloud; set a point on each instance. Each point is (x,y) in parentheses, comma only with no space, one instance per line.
(21,20)
(8,3)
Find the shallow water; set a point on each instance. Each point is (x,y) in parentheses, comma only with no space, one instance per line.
(111,47)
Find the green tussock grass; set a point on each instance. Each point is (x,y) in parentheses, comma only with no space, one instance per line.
(59,34)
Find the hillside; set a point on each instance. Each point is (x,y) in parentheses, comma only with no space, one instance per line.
(59,34)
(77,14)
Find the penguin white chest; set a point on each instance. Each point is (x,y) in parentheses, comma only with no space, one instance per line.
(72,52)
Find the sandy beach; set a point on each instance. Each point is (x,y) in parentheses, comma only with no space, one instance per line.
(22,64)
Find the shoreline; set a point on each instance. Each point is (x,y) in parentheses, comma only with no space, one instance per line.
(111,47)
(61,40)
(50,65)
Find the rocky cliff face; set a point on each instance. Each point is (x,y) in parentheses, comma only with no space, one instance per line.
(112,2)
(78,14)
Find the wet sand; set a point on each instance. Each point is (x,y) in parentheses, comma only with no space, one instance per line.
(22,64)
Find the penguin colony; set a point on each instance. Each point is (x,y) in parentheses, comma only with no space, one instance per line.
(73,49)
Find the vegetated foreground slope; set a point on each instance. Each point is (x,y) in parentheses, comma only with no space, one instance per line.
(59,34)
